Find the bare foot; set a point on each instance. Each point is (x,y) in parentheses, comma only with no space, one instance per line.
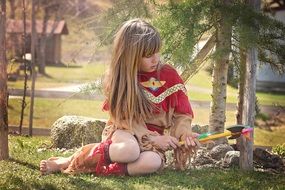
(53,165)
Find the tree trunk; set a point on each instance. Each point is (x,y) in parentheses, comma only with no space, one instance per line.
(219,78)
(241,87)
(43,42)
(15,40)
(4,150)
(246,145)
(25,69)
(33,63)
(12,9)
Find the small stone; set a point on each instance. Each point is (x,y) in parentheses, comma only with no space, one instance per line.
(41,149)
(231,159)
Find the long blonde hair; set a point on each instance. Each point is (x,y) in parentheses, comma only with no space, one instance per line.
(134,40)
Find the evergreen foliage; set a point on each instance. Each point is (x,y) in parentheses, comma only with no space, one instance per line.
(183,23)
(186,22)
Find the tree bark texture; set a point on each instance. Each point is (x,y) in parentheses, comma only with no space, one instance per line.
(15,50)
(25,69)
(12,9)
(246,145)
(33,63)
(43,43)
(241,87)
(219,78)
(4,151)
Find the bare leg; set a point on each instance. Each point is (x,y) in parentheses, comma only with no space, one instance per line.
(56,164)
(124,147)
(148,162)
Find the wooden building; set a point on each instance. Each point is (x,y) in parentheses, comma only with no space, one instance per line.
(53,32)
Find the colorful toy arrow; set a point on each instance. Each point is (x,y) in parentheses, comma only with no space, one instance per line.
(233,131)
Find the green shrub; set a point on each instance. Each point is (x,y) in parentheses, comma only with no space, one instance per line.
(279,149)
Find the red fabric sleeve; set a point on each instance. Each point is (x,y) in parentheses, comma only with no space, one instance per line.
(182,104)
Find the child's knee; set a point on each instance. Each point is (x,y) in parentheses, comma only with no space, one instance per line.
(131,149)
(125,147)
(152,162)
(125,152)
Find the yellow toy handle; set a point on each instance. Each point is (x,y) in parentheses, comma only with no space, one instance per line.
(211,137)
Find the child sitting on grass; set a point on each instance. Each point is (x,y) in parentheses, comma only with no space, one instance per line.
(144,98)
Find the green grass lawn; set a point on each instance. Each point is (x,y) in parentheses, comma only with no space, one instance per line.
(65,76)
(47,111)
(199,88)
(22,172)
(269,138)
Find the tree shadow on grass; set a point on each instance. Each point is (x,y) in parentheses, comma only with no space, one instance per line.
(232,179)
(16,182)
(23,163)
(33,180)
(81,183)
(73,183)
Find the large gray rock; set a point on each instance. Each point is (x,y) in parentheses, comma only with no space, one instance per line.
(75,131)
(203,158)
(219,151)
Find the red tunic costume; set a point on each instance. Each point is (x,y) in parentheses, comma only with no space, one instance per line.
(166,90)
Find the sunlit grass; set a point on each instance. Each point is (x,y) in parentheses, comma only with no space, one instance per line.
(47,111)
(201,116)
(65,76)
(22,172)
(199,88)
(269,138)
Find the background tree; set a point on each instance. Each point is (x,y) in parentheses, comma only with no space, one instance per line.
(12,15)
(24,36)
(33,63)
(4,151)
(197,18)
(247,97)
(223,33)
(51,10)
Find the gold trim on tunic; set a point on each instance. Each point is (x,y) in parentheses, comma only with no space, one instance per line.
(158,99)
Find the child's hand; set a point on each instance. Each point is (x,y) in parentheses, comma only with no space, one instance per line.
(165,142)
(191,141)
